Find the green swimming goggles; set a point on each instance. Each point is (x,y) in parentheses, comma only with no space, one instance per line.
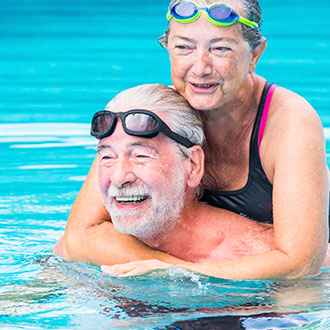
(219,14)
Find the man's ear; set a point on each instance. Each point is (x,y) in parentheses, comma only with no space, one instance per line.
(195,166)
(255,55)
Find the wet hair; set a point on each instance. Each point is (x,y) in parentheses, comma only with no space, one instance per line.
(180,116)
(251,10)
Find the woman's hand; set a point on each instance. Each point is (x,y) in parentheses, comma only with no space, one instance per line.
(134,268)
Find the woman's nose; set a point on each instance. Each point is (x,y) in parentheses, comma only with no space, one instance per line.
(202,66)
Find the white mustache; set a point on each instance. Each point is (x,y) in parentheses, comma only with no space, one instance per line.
(140,190)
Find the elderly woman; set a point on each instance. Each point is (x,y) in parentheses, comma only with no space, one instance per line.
(265,154)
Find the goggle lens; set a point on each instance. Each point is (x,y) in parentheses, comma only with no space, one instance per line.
(139,122)
(101,124)
(221,13)
(184,9)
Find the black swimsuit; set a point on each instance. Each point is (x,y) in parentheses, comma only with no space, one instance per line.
(254,200)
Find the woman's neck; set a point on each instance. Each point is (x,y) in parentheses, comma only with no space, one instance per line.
(235,118)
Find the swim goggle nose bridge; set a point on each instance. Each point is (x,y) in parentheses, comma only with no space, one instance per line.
(136,122)
(219,14)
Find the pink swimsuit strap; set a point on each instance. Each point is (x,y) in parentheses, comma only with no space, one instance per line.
(265,114)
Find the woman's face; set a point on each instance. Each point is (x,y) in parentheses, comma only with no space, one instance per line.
(209,63)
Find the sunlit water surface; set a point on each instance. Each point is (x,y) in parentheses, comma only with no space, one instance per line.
(60,62)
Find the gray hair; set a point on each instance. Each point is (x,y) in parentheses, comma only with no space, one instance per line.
(251,10)
(181,117)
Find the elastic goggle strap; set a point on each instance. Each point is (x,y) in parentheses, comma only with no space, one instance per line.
(184,16)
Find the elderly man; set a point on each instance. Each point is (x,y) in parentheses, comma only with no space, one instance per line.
(149,177)
(150,169)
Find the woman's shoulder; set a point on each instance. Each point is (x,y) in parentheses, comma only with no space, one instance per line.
(289,108)
(291,120)
(292,126)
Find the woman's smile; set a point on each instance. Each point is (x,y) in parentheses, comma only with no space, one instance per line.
(205,88)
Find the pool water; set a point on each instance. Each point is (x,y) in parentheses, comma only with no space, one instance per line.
(61,61)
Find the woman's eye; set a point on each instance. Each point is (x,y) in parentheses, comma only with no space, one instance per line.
(221,50)
(182,49)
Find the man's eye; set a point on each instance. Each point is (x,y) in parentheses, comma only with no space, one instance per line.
(106,157)
(142,156)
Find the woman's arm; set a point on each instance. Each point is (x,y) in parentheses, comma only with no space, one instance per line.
(91,237)
(294,151)
(293,156)
(230,269)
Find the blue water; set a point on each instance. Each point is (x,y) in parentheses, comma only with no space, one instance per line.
(60,61)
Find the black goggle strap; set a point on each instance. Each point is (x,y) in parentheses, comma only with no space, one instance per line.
(176,137)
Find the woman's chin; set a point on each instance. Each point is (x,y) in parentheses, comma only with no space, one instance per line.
(202,106)
(203,102)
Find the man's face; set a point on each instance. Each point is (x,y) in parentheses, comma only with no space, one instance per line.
(142,182)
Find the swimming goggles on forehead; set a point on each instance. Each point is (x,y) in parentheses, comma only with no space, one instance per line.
(219,14)
(136,122)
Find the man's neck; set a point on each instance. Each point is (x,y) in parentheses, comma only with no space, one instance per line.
(191,238)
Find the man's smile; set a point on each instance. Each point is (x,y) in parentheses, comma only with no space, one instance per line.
(130,199)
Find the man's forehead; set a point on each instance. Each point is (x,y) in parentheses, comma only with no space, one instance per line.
(131,142)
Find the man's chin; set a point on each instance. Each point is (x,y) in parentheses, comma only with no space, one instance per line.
(128,223)
(129,215)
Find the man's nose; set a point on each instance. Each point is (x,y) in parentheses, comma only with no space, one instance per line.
(202,66)
(122,172)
